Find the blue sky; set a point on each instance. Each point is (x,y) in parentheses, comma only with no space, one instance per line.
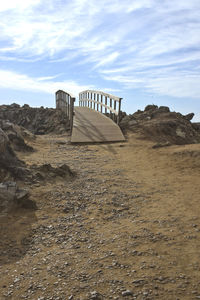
(146,51)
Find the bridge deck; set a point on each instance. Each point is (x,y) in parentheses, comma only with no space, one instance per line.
(92,126)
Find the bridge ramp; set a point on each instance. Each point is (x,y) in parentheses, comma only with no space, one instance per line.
(90,126)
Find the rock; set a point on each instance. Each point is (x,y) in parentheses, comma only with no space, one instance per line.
(95,295)
(3,142)
(180,132)
(26,106)
(15,105)
(163,109)
(52,172)
(189,117)
(37,120)
(150,107)
(161,125)
(47,172)
(196,126)
(127,293)
(15,136)
(159,145)
(132,123)
(9,163)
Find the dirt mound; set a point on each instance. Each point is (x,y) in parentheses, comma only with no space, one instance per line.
(162,126)
(37,120)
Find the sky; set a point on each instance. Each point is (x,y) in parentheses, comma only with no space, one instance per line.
(145,51)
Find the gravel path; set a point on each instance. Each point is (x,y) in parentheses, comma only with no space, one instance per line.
(102,234)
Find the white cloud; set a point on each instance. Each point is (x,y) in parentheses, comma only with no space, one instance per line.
(17,4)
(176,86)
(147,44)
(48,28)
(16,81)
(107,59)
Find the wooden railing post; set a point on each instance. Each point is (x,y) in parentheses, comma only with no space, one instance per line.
(114,116)
(119,111)
(106,105)
(110,107)
(72,100)
(97,102)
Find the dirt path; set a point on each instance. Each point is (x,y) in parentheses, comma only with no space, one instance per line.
(126,227)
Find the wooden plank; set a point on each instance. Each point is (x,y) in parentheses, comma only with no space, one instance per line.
(91,126)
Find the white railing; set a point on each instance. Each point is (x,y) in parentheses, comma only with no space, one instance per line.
(102,102)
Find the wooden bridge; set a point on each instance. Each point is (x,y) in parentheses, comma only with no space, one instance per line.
(96,118)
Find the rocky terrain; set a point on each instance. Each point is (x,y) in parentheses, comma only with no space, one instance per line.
(108,221)
(36,120)
(15,138)
(161,125)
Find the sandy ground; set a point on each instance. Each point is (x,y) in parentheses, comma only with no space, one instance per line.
(125,227)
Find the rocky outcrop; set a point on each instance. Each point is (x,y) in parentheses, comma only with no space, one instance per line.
(37,120)
(17,136)
(11,168)
(161,125)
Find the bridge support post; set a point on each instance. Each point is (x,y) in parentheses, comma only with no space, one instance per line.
(72,100)
(119,111)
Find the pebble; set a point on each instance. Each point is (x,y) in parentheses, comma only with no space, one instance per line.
(127,293)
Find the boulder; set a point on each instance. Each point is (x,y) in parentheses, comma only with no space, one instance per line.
(151,107)
(15,135)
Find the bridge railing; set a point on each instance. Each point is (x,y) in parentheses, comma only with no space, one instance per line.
(102,102)
(65,101)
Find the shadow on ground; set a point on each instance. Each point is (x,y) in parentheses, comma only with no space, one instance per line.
(15,235)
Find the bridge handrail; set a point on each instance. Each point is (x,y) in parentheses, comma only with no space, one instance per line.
(65,101)
(103,94)
(95,99)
